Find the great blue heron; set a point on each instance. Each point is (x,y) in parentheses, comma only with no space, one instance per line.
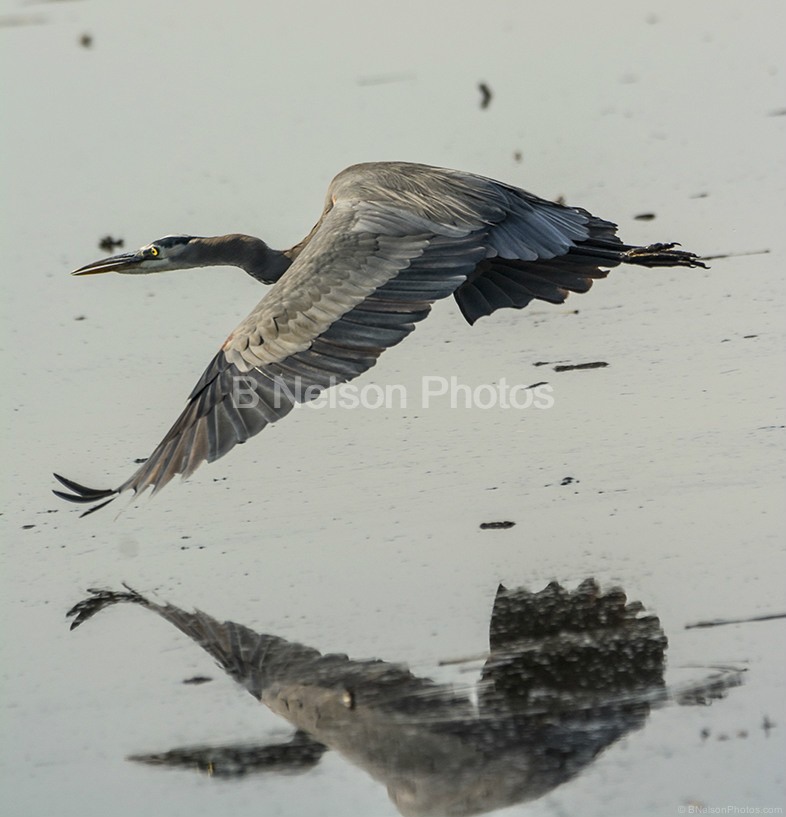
(393,238)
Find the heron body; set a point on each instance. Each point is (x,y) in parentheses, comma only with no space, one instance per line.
(393,238)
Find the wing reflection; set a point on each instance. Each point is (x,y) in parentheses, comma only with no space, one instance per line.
(568,673)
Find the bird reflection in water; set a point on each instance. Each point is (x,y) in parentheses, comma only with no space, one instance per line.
(568,673)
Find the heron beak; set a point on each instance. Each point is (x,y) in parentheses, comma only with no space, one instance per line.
(115,263)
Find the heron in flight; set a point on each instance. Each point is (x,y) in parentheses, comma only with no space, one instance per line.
(393,238)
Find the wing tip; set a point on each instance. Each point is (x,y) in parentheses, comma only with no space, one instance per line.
(81,494)
(99,599)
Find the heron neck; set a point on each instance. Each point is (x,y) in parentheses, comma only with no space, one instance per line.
(245,251)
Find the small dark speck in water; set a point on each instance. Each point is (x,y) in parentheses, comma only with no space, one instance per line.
(645,217)
(80,318)
(107,243)
(748,337)
(568,480)
(86,40)
(496,525)
(569,367)
(27,527)
(140,460)
(198,679)
(517,156)
(486,95)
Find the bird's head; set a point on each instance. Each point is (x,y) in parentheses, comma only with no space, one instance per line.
(169,253)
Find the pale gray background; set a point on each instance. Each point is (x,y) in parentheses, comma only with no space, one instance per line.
(358,530)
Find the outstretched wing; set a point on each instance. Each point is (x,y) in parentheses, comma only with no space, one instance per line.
(394,238)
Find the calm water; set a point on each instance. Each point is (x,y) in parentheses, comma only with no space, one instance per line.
(357,531)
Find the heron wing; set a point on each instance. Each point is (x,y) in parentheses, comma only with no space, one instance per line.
(350,294)
(393,239)
(536,249)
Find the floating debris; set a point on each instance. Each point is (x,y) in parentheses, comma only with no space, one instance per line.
(197,679)
(486,95)
(496,525)
(569,367)
(719,622)
(734,255)
(107,243)
(645,217)
(86,41)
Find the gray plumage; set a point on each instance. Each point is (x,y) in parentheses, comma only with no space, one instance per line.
(393,239)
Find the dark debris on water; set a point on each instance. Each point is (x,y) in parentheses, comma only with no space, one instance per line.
(109,244)
(569,367)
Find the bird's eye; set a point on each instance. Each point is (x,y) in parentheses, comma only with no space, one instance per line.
(153,252)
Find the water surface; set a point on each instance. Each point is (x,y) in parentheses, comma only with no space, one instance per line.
(358,531)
